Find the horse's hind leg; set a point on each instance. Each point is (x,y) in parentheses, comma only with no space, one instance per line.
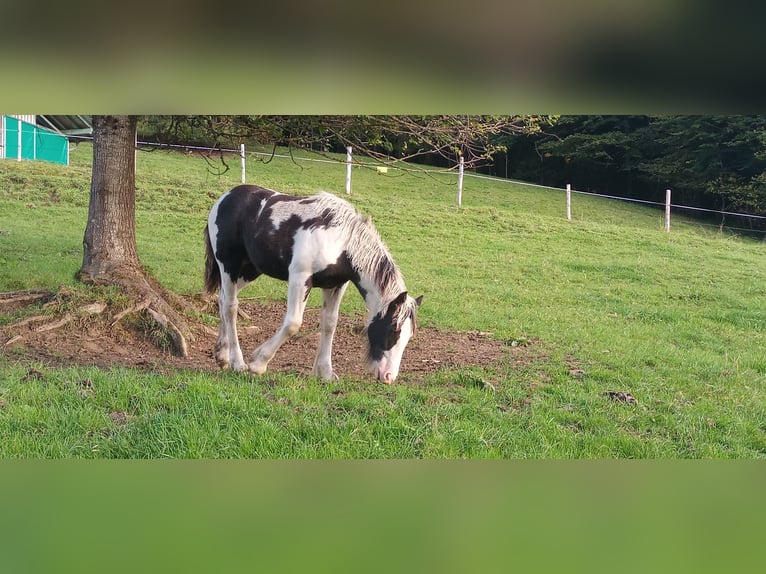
(328,320)
(297,292)
(222,343)
(227,350)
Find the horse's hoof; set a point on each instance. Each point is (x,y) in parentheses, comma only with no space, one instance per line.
(324,372)
(256,369)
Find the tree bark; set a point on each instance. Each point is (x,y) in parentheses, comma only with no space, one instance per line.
(109,245)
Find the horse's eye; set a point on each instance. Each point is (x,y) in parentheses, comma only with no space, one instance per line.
(391,338)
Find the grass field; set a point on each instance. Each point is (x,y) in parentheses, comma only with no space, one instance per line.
(606,302)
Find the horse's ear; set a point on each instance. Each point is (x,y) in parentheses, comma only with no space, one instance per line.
(419,301)
(394,305)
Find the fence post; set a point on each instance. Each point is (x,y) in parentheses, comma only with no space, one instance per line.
(348,170)
(242,160)
(569,202)
(460,183)
(667,210)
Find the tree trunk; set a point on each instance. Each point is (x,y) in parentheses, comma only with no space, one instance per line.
(109,246)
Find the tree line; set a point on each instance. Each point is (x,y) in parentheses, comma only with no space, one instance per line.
(713,162)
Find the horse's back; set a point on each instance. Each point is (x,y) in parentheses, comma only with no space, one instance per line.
(257,230)
(243,201)
(253,202)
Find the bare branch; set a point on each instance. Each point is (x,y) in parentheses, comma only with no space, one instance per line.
(386,139)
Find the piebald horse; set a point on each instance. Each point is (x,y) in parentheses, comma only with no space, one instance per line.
(317,241)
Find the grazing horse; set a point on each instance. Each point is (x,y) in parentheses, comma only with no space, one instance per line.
(318,241)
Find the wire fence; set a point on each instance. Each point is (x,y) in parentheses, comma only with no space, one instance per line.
(667,205)
(383,167)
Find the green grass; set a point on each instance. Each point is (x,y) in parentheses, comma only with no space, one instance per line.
(676,319)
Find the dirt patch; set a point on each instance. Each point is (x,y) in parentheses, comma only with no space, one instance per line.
(96,340)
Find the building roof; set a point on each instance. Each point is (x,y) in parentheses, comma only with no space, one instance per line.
(67,125)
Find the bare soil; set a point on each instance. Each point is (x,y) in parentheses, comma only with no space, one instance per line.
(94,339)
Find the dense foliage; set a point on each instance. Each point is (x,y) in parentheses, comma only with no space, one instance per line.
(713,162)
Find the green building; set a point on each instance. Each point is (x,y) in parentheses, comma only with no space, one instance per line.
(22,138)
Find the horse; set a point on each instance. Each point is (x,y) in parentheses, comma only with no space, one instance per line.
(313,241)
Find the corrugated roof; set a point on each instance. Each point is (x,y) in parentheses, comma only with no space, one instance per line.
(67,125)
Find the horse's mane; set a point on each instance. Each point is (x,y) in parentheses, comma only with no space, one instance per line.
(366,250)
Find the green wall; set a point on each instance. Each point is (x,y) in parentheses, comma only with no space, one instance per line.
(36,142)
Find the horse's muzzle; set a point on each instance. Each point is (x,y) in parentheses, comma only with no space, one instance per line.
(384,375)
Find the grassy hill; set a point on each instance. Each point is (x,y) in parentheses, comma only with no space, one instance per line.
(606,302)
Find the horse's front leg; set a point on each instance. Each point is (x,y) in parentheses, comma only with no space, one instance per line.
(328,320)
(297,293)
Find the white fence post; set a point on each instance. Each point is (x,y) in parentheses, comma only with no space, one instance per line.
(667,210)
(242,160)
(348,170)
(569,202)
(460,183)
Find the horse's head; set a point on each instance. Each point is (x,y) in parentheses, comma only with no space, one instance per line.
(388,334)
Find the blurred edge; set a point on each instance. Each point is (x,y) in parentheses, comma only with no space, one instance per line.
(545,56)
(381,516)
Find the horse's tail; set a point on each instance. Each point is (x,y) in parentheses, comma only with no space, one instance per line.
(212,272)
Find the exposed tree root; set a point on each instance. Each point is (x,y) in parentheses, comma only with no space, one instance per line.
(93,308)
(180,346)
(159,305)
(29,320)
(90,309)
(243,315)
(55,324)
(210,330)
(132,309)
(13,340)
(24,296)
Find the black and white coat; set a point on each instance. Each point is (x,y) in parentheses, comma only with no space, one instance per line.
(318,241)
